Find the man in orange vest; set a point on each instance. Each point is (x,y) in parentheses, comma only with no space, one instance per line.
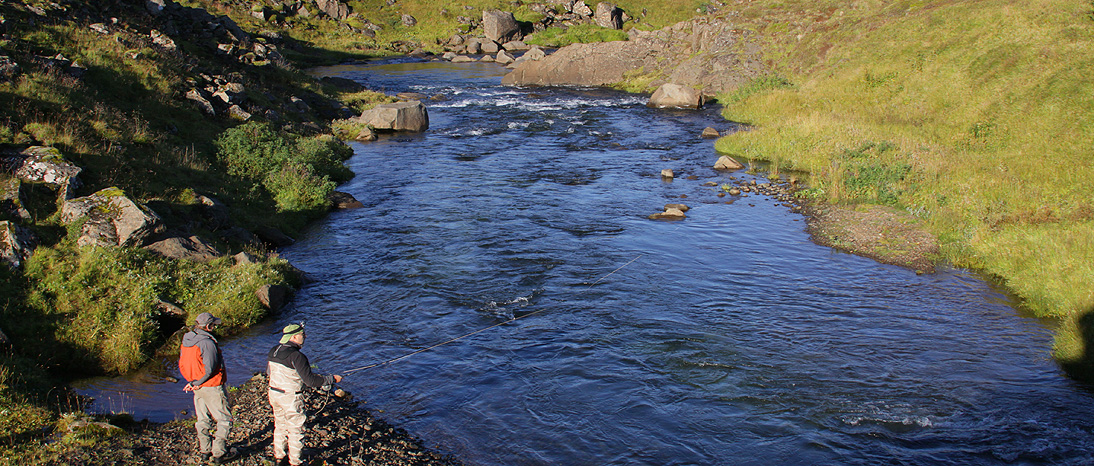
(202,366)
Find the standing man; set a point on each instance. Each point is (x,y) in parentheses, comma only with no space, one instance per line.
(202,366)
(289,371)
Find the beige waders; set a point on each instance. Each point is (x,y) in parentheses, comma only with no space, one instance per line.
(211,406)
(287,402)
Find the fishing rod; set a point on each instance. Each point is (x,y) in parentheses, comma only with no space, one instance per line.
(515,318)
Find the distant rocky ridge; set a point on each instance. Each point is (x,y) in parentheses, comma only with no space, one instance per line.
(708,53)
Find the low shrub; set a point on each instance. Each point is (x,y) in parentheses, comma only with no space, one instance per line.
(298,172)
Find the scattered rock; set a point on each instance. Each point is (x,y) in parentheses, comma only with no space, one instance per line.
(16,244)
(666,173)
(245,257)
(190,248)
(669,214)
(41,164)
(111,219)
(273,236)
(726,162)
(273,297)
(608,16)
(709,132)
(499,26)
(341,200)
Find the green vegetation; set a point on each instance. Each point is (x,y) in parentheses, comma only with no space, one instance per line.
(986,109)
(580,34)
(300,173)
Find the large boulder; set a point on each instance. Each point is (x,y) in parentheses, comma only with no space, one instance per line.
(334,8)
(16,244)
(190,248)
(671,95)
(608,16)
(111,219)
(40,164)
(398,116)
(274,297)
(500,26)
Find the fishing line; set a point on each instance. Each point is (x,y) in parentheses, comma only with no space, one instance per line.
(389,361)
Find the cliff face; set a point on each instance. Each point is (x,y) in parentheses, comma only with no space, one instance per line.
(709,53)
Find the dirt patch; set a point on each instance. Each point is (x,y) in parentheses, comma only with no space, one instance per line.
(881,233)
(338,432)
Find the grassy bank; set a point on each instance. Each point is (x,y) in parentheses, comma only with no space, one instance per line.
(973,116)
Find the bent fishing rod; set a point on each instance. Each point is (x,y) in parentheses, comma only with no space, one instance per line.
(515,318)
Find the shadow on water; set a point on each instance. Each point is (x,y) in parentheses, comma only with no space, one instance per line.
(1082,368)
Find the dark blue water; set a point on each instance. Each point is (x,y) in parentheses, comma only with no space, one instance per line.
(728,338)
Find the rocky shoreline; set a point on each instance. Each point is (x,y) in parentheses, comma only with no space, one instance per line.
(339,432)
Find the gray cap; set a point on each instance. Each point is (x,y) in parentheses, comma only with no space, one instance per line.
(206,318)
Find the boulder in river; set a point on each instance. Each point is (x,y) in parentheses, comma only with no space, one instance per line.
(671,95)
(398,116)
(726,162)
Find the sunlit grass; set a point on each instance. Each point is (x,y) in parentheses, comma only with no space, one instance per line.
(989,103)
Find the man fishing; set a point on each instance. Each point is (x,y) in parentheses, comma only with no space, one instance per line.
(289,371)
(202,365)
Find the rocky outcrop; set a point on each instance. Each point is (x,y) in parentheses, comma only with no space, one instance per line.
(40,164)
(672,95)
(16,244)
(398,116)
(707,53)
(334,8)
(111,219)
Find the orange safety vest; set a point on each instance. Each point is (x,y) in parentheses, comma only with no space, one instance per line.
(193,368)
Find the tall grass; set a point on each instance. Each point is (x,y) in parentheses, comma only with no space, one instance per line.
(987,103)
(101,304)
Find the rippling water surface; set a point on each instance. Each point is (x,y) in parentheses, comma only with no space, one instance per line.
(727,338)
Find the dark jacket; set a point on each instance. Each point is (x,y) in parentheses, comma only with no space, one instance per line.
(289,356)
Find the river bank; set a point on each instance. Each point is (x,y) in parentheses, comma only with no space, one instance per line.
(339,431)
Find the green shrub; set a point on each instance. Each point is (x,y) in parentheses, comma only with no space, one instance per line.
(296,188)
(253,150)
(298,172)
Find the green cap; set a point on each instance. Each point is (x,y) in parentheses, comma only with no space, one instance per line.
(290,330)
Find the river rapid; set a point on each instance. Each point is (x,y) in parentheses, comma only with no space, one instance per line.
(727,338)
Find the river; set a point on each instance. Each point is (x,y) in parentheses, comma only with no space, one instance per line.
(727,338)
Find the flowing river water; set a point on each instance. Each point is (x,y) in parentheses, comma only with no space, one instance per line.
(727,338)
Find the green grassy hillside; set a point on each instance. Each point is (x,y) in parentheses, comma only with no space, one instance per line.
(974,116)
